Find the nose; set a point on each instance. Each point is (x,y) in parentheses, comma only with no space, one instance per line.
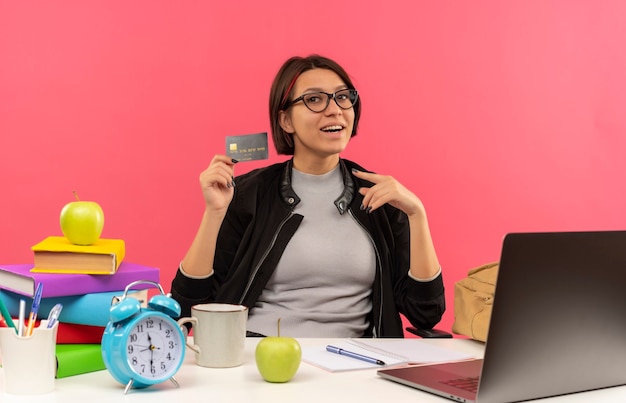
(333,107)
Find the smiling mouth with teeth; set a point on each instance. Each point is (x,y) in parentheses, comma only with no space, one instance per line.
(332,129)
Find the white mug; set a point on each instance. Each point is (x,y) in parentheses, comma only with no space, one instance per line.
(219,334)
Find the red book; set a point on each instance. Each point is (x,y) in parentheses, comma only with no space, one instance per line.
(71,333)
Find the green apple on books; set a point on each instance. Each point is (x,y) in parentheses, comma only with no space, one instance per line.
(80,249)
(82,221)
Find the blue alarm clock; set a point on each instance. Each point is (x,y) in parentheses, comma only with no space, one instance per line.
(143,346)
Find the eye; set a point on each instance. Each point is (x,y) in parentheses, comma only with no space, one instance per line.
(313,98)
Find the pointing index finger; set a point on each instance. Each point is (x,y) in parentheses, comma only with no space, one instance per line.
(369,176)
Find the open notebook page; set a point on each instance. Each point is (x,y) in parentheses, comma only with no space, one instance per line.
(392,351)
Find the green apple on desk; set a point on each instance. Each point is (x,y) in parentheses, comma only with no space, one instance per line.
(82,221)
(278,358)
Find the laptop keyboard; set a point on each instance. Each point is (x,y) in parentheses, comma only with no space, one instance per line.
(469,383)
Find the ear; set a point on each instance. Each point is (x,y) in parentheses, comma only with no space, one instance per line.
(285,122)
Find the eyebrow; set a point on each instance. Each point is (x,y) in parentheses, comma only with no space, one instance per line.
(318,89)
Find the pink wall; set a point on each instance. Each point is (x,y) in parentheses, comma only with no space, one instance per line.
(501,116)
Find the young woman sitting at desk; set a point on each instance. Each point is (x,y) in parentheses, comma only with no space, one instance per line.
(318,241)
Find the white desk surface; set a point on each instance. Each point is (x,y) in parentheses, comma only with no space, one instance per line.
(244,384)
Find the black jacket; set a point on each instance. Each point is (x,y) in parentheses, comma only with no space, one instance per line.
(258,226)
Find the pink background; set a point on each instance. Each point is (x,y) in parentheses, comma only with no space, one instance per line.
(500,115)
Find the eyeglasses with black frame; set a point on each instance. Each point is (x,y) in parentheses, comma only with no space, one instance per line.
(319,101)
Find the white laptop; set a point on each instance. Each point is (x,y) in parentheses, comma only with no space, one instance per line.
(558,324)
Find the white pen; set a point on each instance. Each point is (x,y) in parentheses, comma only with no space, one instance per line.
(21,321)
(53,316)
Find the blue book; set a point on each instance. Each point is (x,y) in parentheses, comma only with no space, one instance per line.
(88,309)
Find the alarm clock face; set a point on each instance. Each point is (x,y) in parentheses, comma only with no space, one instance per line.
(154,347)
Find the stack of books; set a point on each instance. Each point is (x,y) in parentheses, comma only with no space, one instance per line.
(85,280)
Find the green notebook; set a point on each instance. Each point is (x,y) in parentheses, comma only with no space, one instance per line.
(76,359)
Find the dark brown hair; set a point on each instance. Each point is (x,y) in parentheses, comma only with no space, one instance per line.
(281,93)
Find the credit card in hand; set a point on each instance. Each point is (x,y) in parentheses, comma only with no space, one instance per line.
(247,147)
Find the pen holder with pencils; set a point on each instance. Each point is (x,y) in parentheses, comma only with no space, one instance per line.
(29,362)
